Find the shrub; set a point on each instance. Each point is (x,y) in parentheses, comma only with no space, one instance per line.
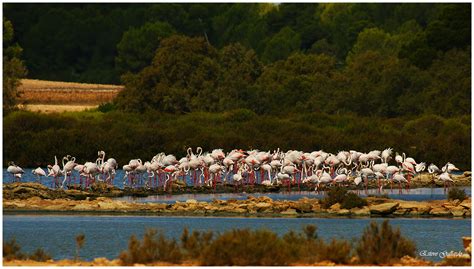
(194,244)
(352,200)
(456,193)
(12,250)
(106,107)
(340,195)
(40,255)
(334,195)
(154,247)
(337,251)
(80,240)
(383,245)
(246,247)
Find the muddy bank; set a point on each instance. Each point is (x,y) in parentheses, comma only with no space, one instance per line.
(252,206)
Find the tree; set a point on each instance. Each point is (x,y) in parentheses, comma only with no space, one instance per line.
(240,68)
(13,68)
(181,78)
(138,46)
(281,45)
(374,39)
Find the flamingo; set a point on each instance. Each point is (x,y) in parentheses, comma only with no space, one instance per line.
(399,178)
(446,178)
(67,168)
(39,172)
(15,170)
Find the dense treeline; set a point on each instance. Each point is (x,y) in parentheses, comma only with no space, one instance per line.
(99,42)
(33,139)
(188,75)
(302,76)
(383,60)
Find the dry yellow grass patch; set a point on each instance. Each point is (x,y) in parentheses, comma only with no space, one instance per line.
(47,108)
(66,93)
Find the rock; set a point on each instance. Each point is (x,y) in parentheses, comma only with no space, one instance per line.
(335,207)
(238,210)
(343,212)
(303,207)
(191,201)
(421,207)
(457,211)
(383,209)
(401,211)
(365,211)
(54,207)
(262,206)
(265,199)
(466,203)
(440,211)
(289,211)
(83,207)
(106,205)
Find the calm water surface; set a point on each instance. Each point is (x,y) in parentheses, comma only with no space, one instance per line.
(106,236)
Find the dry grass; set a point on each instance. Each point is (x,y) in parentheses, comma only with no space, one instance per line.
(66,93)
(56,108)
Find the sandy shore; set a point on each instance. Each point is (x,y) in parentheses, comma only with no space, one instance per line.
(405,261)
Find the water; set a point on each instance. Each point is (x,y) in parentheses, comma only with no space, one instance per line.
(106,236)
(419,194)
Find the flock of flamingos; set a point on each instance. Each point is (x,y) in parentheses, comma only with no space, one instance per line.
(317,169)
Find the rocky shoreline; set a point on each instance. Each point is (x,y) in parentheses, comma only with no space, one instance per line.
(252,206)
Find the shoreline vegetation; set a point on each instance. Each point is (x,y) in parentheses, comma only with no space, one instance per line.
(36,198)
(152,132)
(260,247)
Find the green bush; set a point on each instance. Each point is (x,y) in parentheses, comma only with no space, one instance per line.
(352,200)
(340,195)
(194,244)
(40,255)
(337,251)
(246,247)
(456,194)
(154,247)
(333,196)
(12,250)
(383,245)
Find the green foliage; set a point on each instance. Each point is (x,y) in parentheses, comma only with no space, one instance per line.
(244,248)
(31,138)
(352,200)
(138,45)
(456,194)
(60,46)
(337,251)
(40,255)
(80,240)
(13,68)
(383,245)
(12,250)
(281,45)
(154,247)
(346,199)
